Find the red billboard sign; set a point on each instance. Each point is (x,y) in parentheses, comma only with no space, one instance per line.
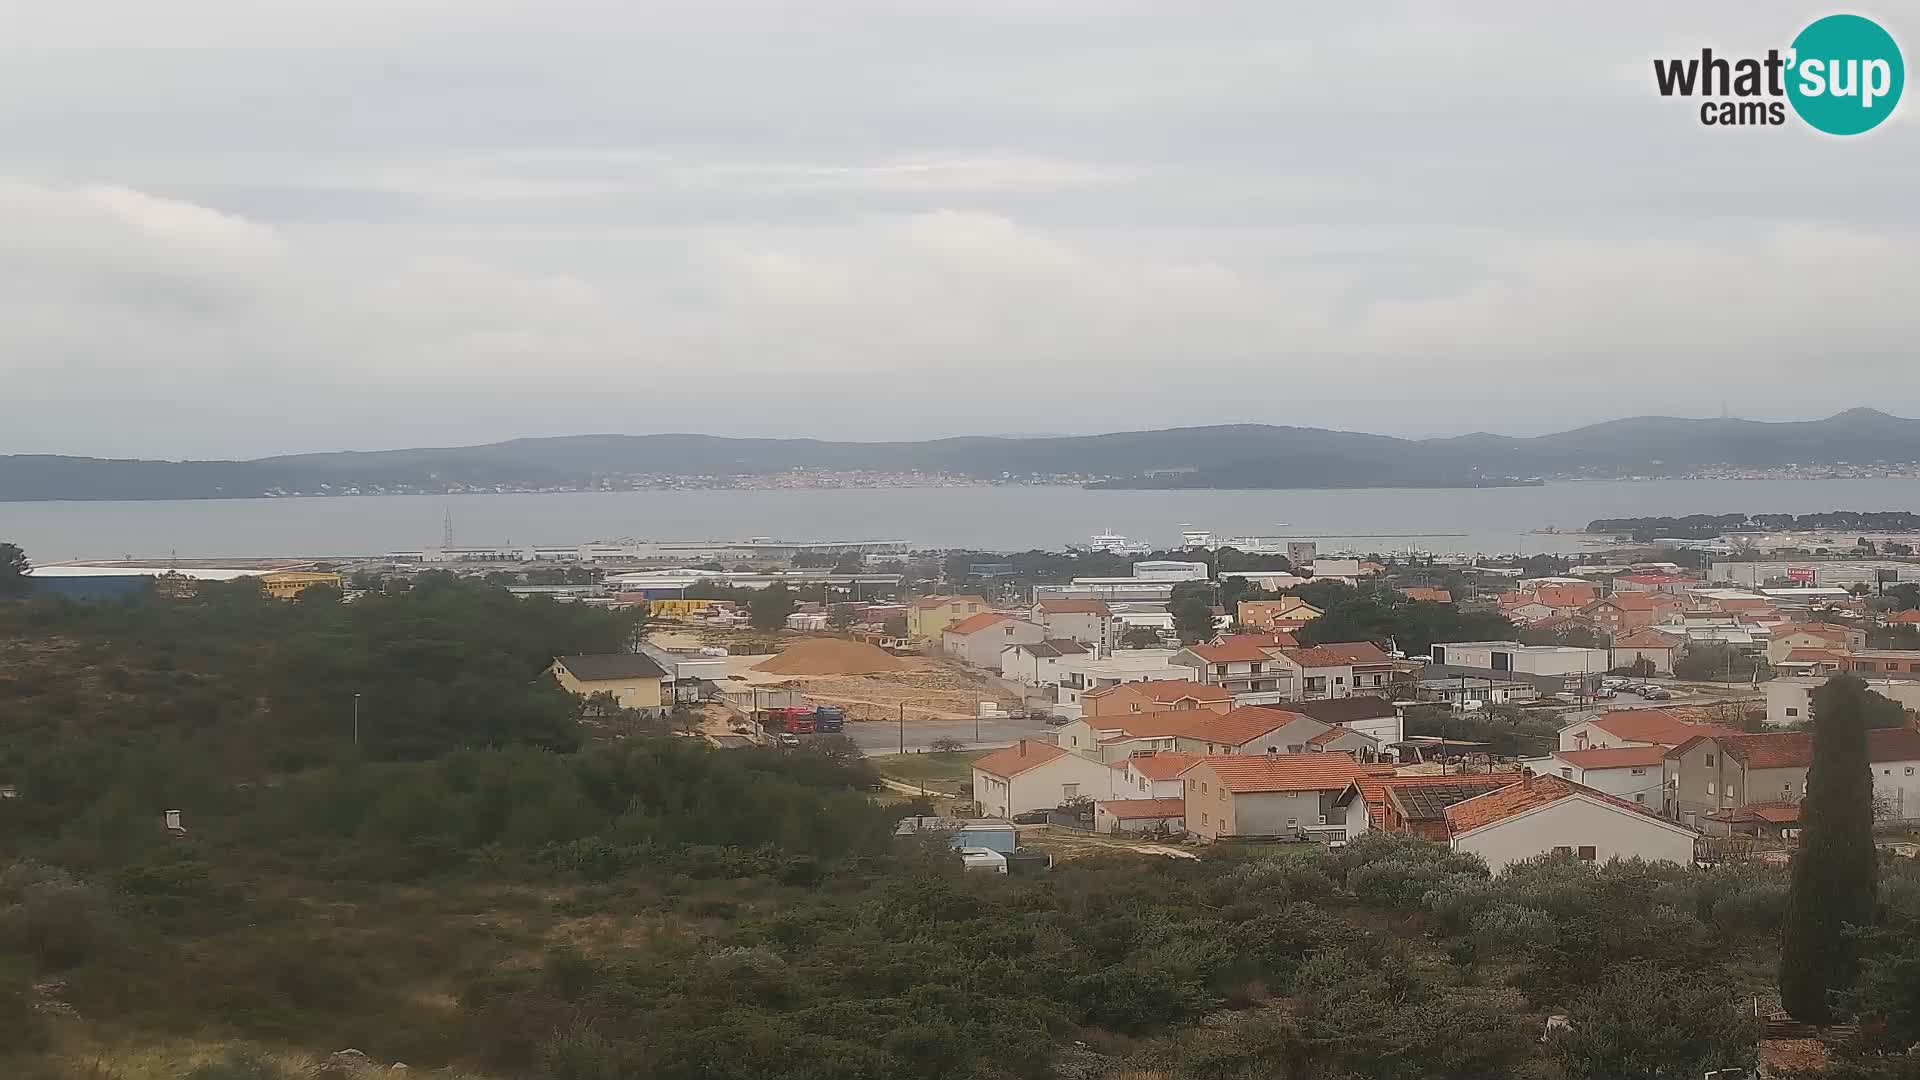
(1800,573)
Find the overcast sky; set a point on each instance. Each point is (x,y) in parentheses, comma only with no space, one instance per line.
(243,227)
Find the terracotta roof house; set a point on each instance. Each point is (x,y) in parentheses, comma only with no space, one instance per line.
(1549,814)
(1153,695)
(1035,776)
(1904,618)
(1341,669)
(1422,592)
(980,639)
(1249,666)
(1251,729)
(1412,804)
(1634,773)
(1634,727)
(1140,815)
(1267,795)
(1090,622)
(1709,774)
(1646,643)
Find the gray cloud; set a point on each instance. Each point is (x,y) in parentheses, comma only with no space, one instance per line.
(236,229)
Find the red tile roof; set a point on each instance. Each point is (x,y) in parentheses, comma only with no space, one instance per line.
(1149,725)
(1138,809)
(1165,765)
(1242,724)
(1811,656)
(1646,639)
(1237,649)
(1565,596)
(1074,607)
(1245,774)
(1774,813)
(1167,690)
(1529,794)
(1338,654)
(1628,601)
(973,624)
(1794,749)
(943,601)
(1018,758)
(1614,757)
(1374,788)
(1421,592)
(1901,618)
(1654,726)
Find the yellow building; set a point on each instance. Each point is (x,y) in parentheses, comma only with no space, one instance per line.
(683,609)
(929,616)
(632,678)
(287,584)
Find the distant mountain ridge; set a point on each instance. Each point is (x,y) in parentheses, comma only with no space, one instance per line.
(1224,456)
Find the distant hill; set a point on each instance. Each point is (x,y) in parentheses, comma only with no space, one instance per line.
(1226,456)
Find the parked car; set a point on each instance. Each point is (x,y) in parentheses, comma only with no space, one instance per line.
(1033,817)
(1657,694)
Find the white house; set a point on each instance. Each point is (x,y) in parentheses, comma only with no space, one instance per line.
(1526,659)
(1550,814)
(1086,672)
(1089,622)
(1634,727)
(1790,701)
(1245,665)
(1634,773)
(1039,663)
(1152,775)
(1339,669)
(1035,776)
(979,639)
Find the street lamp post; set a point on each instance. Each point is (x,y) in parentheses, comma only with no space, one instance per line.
(356,720)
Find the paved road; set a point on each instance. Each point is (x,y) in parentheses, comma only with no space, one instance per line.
(883,737)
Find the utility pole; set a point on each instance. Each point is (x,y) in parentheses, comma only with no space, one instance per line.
(903,727)
(356,720)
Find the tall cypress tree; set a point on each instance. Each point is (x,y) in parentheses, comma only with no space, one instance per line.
(1833,872)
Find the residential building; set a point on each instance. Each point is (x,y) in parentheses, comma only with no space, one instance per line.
(1039,663)
(1634,727)
(1527,612)
(1710,774)
(1347,570)
(1824,637)
(1118,816)
(1151,696)
(1258,796)
(1667,583)
(1361,745)
(287,584)
(1089,622)
(1035,776)
(1553,815)
(1530,659)
(1457,691)
(928,616)
(1773,820)
(1376,717)
(1412,804)
(1563,594)
(1169,570)
(1244,666)
(1790,700)
(1341,669)
(1430,595)
(1249,729)
(1088,672)
(1623,613)
(979,639)
(1152,775)
(1903,618)
(1114,739)
(1634,773)
(1655,647)
(1263,614)
(633,679)
(1884,663)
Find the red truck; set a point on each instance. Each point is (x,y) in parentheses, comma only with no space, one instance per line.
(792,720)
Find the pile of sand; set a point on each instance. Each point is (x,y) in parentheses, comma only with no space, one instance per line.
(831,656)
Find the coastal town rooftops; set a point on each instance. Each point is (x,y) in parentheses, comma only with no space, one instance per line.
(1238,649)
(973,624)
(1250,774)
(1164,765)
(606,667)
(1073,607)
(1164,691)
(1018,758)
(1236,727)
(1338,654)
(1653,726)
(1614,757)
(1533,793)
(1794,749)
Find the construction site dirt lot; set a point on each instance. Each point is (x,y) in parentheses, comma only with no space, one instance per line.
(929,688)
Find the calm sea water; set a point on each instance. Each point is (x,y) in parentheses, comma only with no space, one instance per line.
(1010,518)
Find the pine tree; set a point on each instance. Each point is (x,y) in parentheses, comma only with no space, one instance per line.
(1833,873)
